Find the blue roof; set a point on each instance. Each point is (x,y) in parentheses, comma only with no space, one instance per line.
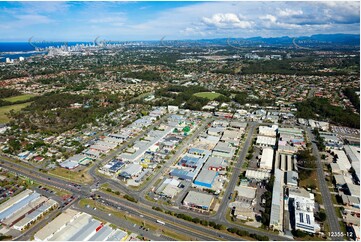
(190,159)
(116,166)
(178,172)
(17,206)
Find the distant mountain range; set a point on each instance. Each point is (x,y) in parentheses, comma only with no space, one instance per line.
(324,40)
(319,41)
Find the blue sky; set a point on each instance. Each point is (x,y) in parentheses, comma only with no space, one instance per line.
(122,21)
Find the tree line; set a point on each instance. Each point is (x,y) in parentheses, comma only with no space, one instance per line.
(353,97)
(320,108)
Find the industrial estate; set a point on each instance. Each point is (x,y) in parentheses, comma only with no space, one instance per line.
(199,140)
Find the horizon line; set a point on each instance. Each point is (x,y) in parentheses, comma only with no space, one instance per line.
(162,39)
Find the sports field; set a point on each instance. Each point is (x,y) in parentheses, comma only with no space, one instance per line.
(19,98)
(6,109)
(208,95)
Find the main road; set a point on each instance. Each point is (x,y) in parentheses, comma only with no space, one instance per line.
(332,219)
(150,215)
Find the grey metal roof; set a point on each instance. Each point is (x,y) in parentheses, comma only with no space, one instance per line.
(117,236)
(85,231)
(102,234)
(206,176)
(199,199)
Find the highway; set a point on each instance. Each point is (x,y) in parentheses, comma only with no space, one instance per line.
(133,208)
(332,218)
(123,224)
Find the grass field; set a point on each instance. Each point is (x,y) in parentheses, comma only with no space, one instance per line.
(19,98)
(6,109)
(208,95)
(76,176)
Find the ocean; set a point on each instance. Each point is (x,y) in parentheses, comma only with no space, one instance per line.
(14,50)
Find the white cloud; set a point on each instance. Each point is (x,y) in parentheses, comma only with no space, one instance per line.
(226,20)
(269,17)
(116,21)
(193,20)
(289,12)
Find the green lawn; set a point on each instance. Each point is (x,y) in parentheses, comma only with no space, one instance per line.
(6,109)
(208,95)
(19,98)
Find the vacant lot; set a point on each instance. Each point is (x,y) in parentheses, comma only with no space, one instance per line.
(19,98)
(78,176)
(6,109)
(208,95)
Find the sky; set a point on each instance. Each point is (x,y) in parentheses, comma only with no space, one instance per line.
(126,21)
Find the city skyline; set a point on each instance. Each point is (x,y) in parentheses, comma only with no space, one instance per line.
(126,21)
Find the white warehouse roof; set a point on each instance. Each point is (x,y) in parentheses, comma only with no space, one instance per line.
(267,159)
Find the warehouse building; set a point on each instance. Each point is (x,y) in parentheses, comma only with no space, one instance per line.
(245,202)
(268,131)
(112,140)
(184,174)
(9,211)
(20,214)
(35,215)
(285,162)
(121,137)
(199,152)
(149,144)
(198,200)
(301,206)
(215,164)
(169,188)
(331,140)
(265,141)
(70,165)
(215,131)
(239,125)
(190,161)
(75,161)
(291,131)
(291,178)
(232,136)
(276,217)
(342,160)
(91,153)
(76,226)
(23,209)
(56,225)
(335,169)
(113,166)
(341,180)
(258,175)
(13,200)
(224,150)
(266,162)
(206,178)
(353,155)
(131,171)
